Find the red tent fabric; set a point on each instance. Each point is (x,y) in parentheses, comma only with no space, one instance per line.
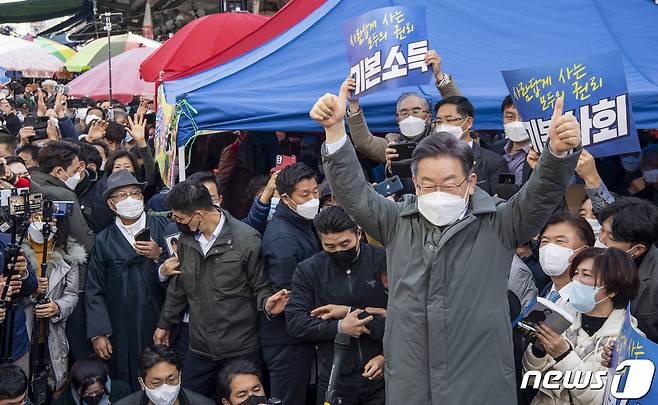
(198,41)
(126,82)
(291,14)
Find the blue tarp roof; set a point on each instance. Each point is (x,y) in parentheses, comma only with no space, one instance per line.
(274,86)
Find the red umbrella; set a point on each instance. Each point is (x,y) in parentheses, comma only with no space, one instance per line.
(197,41)
(126,81)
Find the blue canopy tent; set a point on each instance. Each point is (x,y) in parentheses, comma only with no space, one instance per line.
(274,86)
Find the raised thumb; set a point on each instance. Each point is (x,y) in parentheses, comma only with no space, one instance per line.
(557,109)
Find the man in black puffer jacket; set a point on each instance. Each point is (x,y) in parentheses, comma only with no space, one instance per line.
(330,292)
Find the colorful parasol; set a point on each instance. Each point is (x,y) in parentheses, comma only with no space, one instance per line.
(61,52)
(125,85)
(95,52)
(27,57)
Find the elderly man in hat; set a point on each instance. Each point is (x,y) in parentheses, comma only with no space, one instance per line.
(124,297)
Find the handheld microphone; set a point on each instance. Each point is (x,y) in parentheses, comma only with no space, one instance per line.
(341,344)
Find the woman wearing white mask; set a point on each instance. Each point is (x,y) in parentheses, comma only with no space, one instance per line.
(563,234)
(604,282)
(57,294)
(160,381)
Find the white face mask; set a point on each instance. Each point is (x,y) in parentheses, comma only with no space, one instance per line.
(412,127)
(72,181)
(34,231)
(130,208)
(81,113)
(554,259)
(4,93)
(92,117)
(103,164)
(163,395)
(516,132)
(596,226)
(309,209)
(453,130)
(442,208)
(650,176)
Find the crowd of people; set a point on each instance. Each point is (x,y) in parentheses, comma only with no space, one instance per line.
(232,285)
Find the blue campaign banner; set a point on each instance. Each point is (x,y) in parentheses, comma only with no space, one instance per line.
(594,89)
(632,369)
(386,48)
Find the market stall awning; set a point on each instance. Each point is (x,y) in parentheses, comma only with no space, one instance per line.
(16,11)
(273,86)
(198,41)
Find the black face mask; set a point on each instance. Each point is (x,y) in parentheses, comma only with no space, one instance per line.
(93,400)
(254,400)
(185,228)
(344,258)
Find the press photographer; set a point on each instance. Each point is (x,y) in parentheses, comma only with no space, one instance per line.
(18,277)
(51,250)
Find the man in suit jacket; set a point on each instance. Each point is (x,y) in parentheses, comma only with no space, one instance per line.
(517,144)
(455,115)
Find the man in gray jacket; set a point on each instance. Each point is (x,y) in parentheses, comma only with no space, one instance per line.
(449,250)
(413,113)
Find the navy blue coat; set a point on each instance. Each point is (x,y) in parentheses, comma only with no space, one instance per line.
(288,240)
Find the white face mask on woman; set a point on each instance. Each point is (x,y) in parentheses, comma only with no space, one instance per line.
(34,231)
(441,208)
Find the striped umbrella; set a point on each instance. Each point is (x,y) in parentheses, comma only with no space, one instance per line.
(95,52)
(27,57)
(61,52)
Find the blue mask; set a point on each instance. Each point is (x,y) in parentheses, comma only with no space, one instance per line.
(630,163)
(581,296)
